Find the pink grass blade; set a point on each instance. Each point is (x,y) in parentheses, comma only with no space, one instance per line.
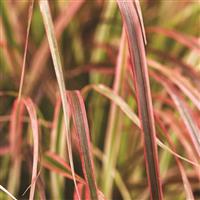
(184,85)
(78,112)
(56,164)
(15,142)
(17,133)
(34,125)
(48,23)
(4,150)
(25,49)
(189,42)
(84,192)
(141,80)
(190,123)
(129,113)
(16,128)
(186,183)
(139,13)
(186,69)
(188,120)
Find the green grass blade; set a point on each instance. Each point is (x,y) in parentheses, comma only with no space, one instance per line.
(107,92)
(42,54)
(126,109)
(44,7)
(113,137)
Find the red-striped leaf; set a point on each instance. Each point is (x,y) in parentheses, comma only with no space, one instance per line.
(186,183)
(190,123)
(83,191)
(34,125)
(188,41)
(78,112)
(185,86)
(16,128)
(56,164)
(141,80)
(15,142)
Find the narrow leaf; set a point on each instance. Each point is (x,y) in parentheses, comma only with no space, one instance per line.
(141,80)
(44,7)
(84,192)
(57,164)
(188,41)
(107,92)
(26,48)
(184,85)
(190,123)
(8,193)
(125,108)
(15,142)
(186,183)
(40,57)
(78,112)
(34,125)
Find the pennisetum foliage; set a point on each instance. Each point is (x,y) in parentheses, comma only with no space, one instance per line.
(112,112)
(132,21)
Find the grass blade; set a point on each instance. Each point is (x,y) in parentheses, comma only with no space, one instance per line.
(141,80)
(56,164)
(41,56)
(15,137)
(56,134)
(44,7)
(25,49)
(84,192)
(8,193)
(192,127)
(184,85)
(78,112)
(125,108)
(16,116)
(34,125)
(113,132)
(189,42)
(107,92)
(190,123)
(186,183)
